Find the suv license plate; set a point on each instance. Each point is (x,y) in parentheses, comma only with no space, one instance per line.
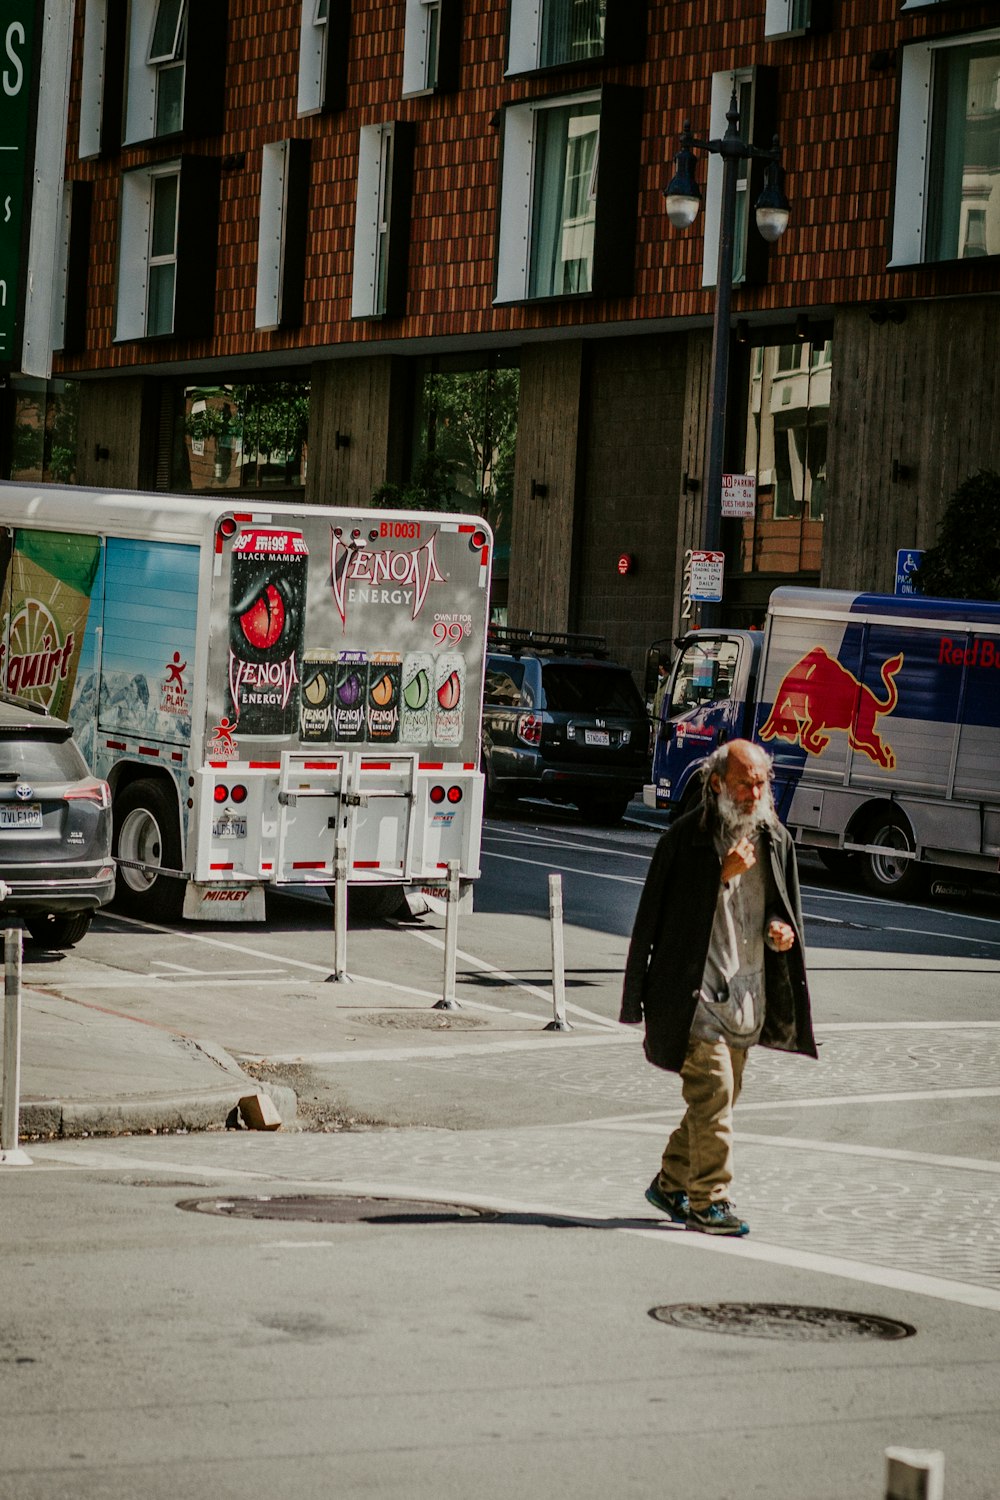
(19,815)
(596,737)
(229,828)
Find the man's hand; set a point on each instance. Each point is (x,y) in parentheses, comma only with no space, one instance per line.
(779,935)
(739,860)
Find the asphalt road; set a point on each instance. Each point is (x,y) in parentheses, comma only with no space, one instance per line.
(150,1350)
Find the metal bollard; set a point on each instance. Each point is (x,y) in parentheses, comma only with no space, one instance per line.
(914,1474)
(340,973)
(559,1021)
(448,1000)
(10,1101)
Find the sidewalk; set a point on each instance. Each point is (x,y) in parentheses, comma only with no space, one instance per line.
(90,1069)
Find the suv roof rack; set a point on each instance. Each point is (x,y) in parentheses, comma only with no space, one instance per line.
(556,642)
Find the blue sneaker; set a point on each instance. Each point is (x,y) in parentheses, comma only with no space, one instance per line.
(717,1218)
(674,1205)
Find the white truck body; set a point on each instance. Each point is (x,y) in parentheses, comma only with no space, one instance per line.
(282,684)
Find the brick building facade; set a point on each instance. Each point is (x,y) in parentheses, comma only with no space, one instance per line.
(345,201)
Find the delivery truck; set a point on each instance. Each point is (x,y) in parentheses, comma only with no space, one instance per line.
(882,714)
(274,693)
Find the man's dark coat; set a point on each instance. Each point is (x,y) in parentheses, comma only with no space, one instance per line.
(671,935)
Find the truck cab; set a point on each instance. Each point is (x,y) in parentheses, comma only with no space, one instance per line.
(709,700)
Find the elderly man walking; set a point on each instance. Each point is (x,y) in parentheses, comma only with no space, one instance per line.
(716,964)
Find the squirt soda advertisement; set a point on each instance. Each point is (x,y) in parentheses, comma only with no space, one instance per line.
(49,578)
(349,630)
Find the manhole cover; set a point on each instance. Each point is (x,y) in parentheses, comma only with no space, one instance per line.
(775,1320)
(313,1209)
(421,1020)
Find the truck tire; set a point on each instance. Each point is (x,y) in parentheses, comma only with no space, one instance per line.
(147,833)
(886,874)
(62,930)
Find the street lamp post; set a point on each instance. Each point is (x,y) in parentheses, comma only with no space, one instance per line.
(683,197)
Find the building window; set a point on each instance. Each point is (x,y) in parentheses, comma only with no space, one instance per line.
(171,88)
(786,449)
(756,98)
(432,33)
(167,250)
(564,33)
(324,37)
(44,437)
(162,260)
(166,56)
(381,232)
(947,200)
(788,18)
(241,437)
(580,224)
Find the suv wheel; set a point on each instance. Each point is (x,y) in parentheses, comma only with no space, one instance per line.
(59,931)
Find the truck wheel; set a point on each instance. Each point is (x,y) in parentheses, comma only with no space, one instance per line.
(63,931)
(147,834)
(886,874)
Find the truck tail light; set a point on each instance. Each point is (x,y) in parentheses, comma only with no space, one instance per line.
(239,793)
(529,729)
(96,791)
(437,794)
(220,792)
(454,794)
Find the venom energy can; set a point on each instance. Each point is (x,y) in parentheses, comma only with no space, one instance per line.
(384,675)
(417,694)
(449,698)
(350,685)
(267,607)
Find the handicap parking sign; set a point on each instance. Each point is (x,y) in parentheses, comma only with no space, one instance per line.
(908,560)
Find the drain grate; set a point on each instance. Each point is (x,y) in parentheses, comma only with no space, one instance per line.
(335,1209)
(775,1320)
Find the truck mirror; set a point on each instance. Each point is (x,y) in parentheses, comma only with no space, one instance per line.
(650,681)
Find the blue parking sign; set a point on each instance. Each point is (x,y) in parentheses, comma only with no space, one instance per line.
(908,560)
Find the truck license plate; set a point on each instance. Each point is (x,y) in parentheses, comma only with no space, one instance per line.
(229,828)
(596,737)
(17,815)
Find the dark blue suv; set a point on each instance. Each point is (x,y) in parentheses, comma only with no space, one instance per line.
(562,722)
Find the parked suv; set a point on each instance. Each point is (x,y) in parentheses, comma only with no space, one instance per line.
(561,721)
(55,828)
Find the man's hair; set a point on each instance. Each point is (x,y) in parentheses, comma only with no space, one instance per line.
(716,765)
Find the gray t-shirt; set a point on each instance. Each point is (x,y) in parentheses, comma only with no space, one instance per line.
(731,1004)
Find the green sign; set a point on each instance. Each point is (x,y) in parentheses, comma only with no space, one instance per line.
(20,36)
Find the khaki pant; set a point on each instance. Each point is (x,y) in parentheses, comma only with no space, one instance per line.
(698,1158)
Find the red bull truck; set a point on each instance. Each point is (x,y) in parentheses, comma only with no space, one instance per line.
(882,714)
(276,694)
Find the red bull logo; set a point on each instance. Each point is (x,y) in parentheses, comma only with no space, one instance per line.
(818,695)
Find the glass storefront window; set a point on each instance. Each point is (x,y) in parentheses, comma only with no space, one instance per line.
(465,432)
(242,437)
(786,449)
(43,442)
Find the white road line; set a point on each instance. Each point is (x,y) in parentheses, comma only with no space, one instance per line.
(832,1101)
(566,869)
(826,1026)
(878,1153)
(804,1143)
(511,838)
(435,1050)
(671,1239)
(862,900)
(833,1265)
(530,989)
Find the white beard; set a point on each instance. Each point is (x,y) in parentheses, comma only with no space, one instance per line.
(737,824)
